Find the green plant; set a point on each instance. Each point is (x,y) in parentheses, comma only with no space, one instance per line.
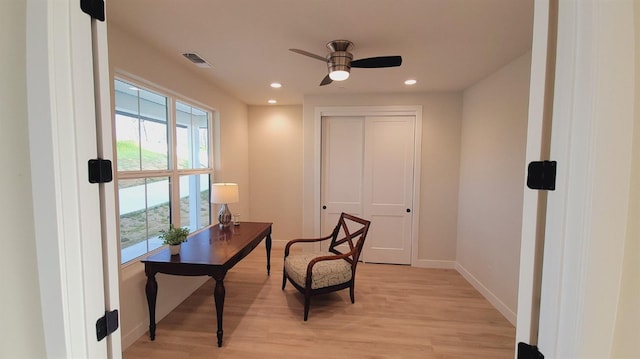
(174,236)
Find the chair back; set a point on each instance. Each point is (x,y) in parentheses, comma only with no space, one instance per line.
(352,231)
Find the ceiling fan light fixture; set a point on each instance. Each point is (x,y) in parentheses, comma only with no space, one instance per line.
(339,75)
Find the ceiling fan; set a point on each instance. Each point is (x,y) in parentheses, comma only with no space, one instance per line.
(340,61)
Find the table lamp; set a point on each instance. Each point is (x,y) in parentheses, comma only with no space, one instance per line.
(224,193)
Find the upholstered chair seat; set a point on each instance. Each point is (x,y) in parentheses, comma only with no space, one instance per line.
(324,274)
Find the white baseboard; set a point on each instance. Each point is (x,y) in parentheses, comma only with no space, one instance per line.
(492,298)
(129,338)
(428,263)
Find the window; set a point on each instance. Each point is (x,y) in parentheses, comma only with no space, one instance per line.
(164,166)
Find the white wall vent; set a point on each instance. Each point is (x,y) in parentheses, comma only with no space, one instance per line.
(196,59)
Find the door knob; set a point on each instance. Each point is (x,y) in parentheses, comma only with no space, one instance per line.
(324,207)
(408,210)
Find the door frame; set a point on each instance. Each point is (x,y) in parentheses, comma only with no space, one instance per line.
(538,142)
(107,191)
(576,299)
(62,136)
(370,111)
(587,214)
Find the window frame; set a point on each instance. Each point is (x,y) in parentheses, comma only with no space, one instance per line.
(173,173)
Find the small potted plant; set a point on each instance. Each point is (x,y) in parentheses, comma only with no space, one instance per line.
(174,237)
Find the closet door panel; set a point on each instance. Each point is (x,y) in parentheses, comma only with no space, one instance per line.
(342,163)
(388,187)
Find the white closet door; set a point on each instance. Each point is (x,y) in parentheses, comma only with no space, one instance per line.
(388,188)
(342,161)
(367,171)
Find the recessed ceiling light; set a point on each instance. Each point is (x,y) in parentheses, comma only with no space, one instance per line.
(410,82)
(276,85)
(272,101)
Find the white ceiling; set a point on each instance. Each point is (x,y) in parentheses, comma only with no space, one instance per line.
(446,45)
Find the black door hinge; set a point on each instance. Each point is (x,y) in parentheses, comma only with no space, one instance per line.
(542,175)
(95,8)
(526,351)
(100,171)
(107,324)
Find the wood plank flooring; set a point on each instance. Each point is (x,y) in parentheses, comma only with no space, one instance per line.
(399,312)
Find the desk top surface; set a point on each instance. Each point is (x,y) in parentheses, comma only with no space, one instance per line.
(215,246)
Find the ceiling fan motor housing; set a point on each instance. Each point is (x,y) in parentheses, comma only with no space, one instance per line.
(339,45)
(340,58)
(339,61)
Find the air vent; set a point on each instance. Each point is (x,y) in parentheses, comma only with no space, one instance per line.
(196,59)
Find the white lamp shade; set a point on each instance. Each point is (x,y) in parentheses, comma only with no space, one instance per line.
(224,193)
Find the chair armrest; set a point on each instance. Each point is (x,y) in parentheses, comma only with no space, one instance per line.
(303,240)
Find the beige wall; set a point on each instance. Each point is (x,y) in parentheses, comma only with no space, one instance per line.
(131,57)
(275,159)
(21,332)
(441,116)
(441,130)
(492,183)
(627,329)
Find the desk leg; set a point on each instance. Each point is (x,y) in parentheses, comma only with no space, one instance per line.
(268,245)
(152,294)
(218,295)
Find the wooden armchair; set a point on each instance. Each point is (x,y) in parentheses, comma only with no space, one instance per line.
(314,273)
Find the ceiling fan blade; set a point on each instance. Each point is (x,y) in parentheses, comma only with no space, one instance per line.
(306,53)
(326,80)
(375,62)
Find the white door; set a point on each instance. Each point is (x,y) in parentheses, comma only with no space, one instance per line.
(388,188)
(342,164)
(367,171)
(62,122)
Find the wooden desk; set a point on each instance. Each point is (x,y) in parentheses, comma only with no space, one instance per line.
(211,252)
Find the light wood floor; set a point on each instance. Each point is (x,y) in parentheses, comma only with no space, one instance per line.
(400,312)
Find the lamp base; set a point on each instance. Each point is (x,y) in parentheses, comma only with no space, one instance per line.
(224,216)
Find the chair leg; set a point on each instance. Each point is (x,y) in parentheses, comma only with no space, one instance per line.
(351,293)
(284,278)
(307,302)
